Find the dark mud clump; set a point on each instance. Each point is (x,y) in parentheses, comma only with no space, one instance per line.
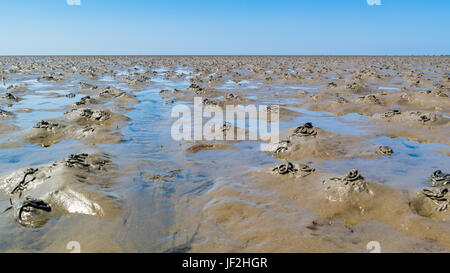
(298,170)
(10,97)
(385,151)
(439,179)
(87,100)
(5,114)
(432,203)
(33,213)
(349,186)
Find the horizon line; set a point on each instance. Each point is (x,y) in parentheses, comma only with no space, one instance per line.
(227,55)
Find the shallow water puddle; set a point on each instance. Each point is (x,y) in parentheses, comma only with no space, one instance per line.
(164,190)
(407,168)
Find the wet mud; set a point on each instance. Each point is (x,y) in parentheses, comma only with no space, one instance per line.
(363,155)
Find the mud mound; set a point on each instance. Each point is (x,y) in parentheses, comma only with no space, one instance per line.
(308,142)
(71,186)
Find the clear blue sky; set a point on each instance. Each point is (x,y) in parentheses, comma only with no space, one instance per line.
(52,27)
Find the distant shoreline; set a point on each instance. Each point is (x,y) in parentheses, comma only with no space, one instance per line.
(225,55)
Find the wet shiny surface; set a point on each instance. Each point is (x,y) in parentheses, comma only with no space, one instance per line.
(168,194)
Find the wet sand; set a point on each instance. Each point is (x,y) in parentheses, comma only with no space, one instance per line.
(86,142)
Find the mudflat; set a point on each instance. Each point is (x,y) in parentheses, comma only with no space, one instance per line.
(88,155)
